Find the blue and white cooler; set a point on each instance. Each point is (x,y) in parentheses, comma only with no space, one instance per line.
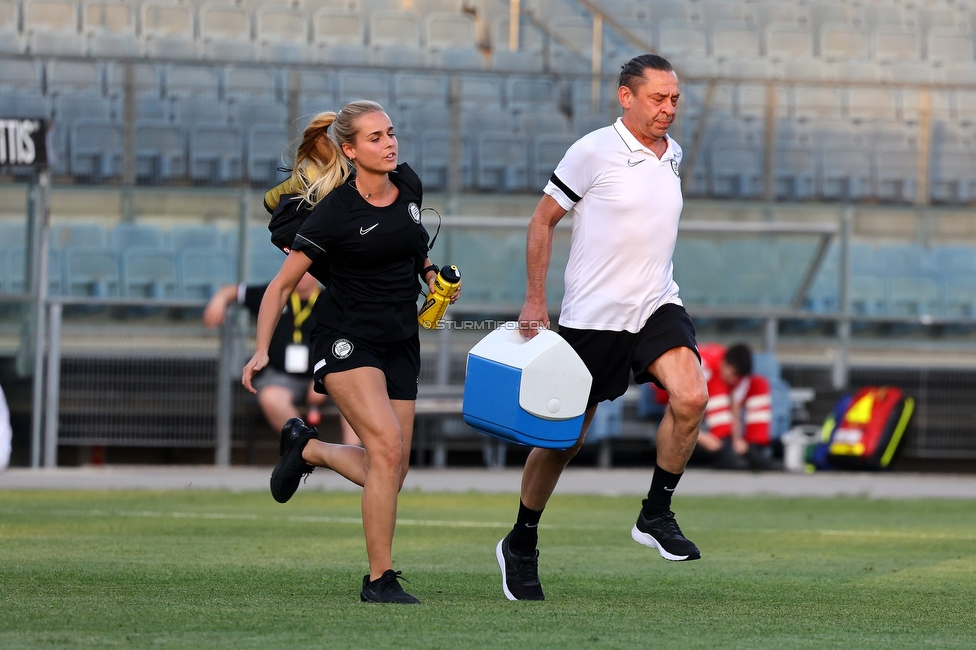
(528,391)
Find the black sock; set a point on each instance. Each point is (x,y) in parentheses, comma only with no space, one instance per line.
(525,534)
(658,498)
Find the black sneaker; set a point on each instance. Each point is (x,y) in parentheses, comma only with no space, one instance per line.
(385,589)
(520,573)
(662,532)
(291,467)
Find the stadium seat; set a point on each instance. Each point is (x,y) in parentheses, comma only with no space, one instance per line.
(340,36)
(845,163)
(225,32)
(11,41)
(91,272)
(843,42)
(268,149)
(577,31)
(283,34)
(135,235)
(13,263)
(527,57)
(263,260)
(871,105)
(203,271)
(69,105)
(148,272)
(868,295)
(420,89)
(817,103)
(96,150)
(168,30)
(503,162)
(697,264)
(450,41)
(948,46)
(75,235)
(51,28)
(911,294)
(895,167)
(480,90)
(788,41)
(110,29)
(548,150)
(736,167)
(361,84)
(74,75)
(13,234)
(247,111)
(191,80)
(795,167)
(148,87)
(894,45)
(437,156)
(160,152)
(531,92)
(216,154)
(394,38)
(687,42)
(181,238)
(735,42)
(958,299)
(953,166)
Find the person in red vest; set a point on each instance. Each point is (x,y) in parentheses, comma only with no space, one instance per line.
(736,429)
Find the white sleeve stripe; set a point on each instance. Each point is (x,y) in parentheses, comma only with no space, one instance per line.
(311,242)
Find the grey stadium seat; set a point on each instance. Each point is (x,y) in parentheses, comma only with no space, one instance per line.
(216,154)
(51,27)
(91,272)
(96,150)
(135,235)
(160,152)
(11,41)
(74,235)
(148,272)
(394,38)
(503,162)
(168,30)
(267,151)
(450,41)
(13,263)
(283,34)
(203,271)
(181,238)
(225,32)
(339,36)
(360,84)
(110,29)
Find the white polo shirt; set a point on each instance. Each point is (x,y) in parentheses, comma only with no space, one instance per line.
(627,204)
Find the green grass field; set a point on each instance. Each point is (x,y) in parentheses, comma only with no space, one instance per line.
(193,569)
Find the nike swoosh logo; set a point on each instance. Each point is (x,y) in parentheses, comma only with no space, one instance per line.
(667,489)
(363,231)
(634,163)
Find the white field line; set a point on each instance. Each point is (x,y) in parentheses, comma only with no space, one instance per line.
(316,519)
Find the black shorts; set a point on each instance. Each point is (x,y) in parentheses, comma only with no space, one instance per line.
(335,351)
(612,356)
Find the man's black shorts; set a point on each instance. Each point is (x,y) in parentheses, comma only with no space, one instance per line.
(335,351)
(612,356)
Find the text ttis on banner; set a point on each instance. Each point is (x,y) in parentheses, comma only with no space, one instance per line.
(23,142)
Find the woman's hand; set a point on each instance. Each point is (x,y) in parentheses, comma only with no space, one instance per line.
(257,363)
(432,277)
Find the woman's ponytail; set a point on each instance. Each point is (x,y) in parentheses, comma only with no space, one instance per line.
(320,166)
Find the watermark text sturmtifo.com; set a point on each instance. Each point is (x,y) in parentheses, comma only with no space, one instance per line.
(487,324)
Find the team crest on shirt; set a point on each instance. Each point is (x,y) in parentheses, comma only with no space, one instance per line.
(414,211)
(342,348)
(674,167)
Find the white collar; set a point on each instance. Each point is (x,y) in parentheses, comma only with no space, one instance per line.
(635,145)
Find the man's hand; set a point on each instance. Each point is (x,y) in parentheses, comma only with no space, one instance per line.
(533,318)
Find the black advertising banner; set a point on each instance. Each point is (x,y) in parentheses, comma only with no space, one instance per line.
(23,142)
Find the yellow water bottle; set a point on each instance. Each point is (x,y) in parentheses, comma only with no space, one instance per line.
(445,285)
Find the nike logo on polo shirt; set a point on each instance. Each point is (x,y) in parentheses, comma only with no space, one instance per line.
(363,231)
(634,163)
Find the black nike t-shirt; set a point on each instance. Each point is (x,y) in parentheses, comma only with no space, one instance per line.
(284,333)
(374,257)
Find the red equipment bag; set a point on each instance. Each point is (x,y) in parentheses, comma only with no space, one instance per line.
(871,428)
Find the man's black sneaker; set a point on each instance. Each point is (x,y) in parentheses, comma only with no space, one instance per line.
(291,467)
(662,532)
(385,589)
(520,572)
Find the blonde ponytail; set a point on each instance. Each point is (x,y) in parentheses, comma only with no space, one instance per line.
(319,169)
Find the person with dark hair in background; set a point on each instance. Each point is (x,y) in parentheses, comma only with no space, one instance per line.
(286,382)
(620,311)
(366,238)
(739,413)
